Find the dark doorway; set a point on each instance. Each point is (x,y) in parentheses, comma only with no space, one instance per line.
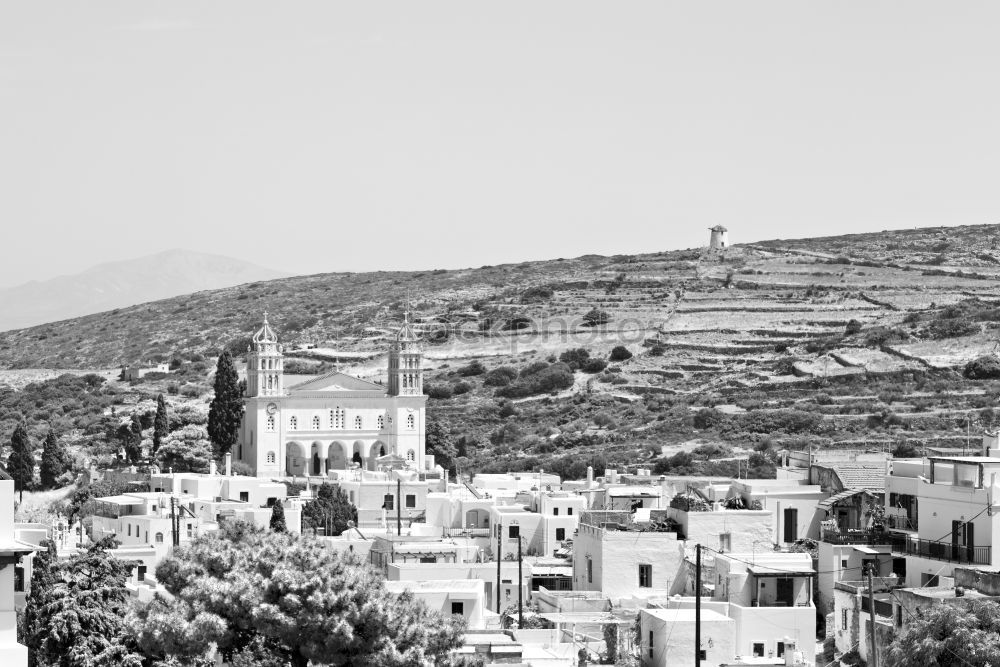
(356,458)
(315,464)
(785,594)
(791,524)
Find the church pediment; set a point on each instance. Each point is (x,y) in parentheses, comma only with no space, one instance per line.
(334,382)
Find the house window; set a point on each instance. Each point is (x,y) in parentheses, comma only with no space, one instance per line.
(458,608)
(270,422)
(270,457)
(387,501)
(569,511)
(650,643)
(590,570)
(411,421)
(781,650)
(140,573)
(725,542)
(18,578)
(843,619)
(159,538)
(555,511)
(513,532)
(645,575)
(129,526)
(410,456)
(758,650)
(560,534)
(293,423)
(357,422)
(381,421)
(843,563)
(190,530)
(316,423)
(244,496)
(411,500)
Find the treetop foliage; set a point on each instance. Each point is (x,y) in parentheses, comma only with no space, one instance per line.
(297,600)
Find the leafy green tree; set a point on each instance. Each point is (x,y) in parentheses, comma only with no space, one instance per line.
(21,462)
(947,635)
(55,461)
(239,585)
(620,353)
(75,615)
(161,424)
(186,450)
(330,510)
(226,410)
(575,358)
(439,442)
(595,317)
(278,524)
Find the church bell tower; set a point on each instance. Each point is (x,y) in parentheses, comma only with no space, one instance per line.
(265,364)
(406,377)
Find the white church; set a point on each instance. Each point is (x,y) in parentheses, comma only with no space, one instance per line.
(335,421)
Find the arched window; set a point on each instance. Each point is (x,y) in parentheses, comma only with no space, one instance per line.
(270,422)
(410,456)
(357,422)
(293,423)
(159,538)
(381,421)
(411,421)
(316,423)
(270,457)
(129,530)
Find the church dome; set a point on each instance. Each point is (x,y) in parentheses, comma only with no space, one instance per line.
(265,334)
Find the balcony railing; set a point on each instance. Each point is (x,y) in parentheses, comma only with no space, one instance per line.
(944,551)
(467,532)
(855,537)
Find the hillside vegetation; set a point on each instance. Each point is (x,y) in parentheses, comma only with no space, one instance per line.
(851,341)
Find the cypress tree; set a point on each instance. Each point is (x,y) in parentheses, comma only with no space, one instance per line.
(226,411)
(130,436)
(278,518)
(161,426)
(21,462)
(55,461)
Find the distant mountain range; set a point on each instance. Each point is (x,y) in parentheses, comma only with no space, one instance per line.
(125,283)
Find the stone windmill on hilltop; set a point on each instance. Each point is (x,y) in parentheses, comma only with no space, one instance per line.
(719,239)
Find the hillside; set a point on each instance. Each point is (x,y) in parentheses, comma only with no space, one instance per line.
(117,284)
(852,341)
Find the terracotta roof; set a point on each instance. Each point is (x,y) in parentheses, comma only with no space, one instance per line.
(859,475)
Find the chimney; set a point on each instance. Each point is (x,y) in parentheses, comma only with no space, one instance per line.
(229,464)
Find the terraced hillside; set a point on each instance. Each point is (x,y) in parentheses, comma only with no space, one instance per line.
(844,341)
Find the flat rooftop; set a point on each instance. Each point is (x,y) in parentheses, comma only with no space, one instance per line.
(686,615)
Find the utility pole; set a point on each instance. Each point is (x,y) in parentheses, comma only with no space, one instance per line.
(697,605)
(499,558)
(399,507)
(173,521)
(873,658)
(520,587)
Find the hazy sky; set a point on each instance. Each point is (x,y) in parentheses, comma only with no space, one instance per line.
(335,136)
